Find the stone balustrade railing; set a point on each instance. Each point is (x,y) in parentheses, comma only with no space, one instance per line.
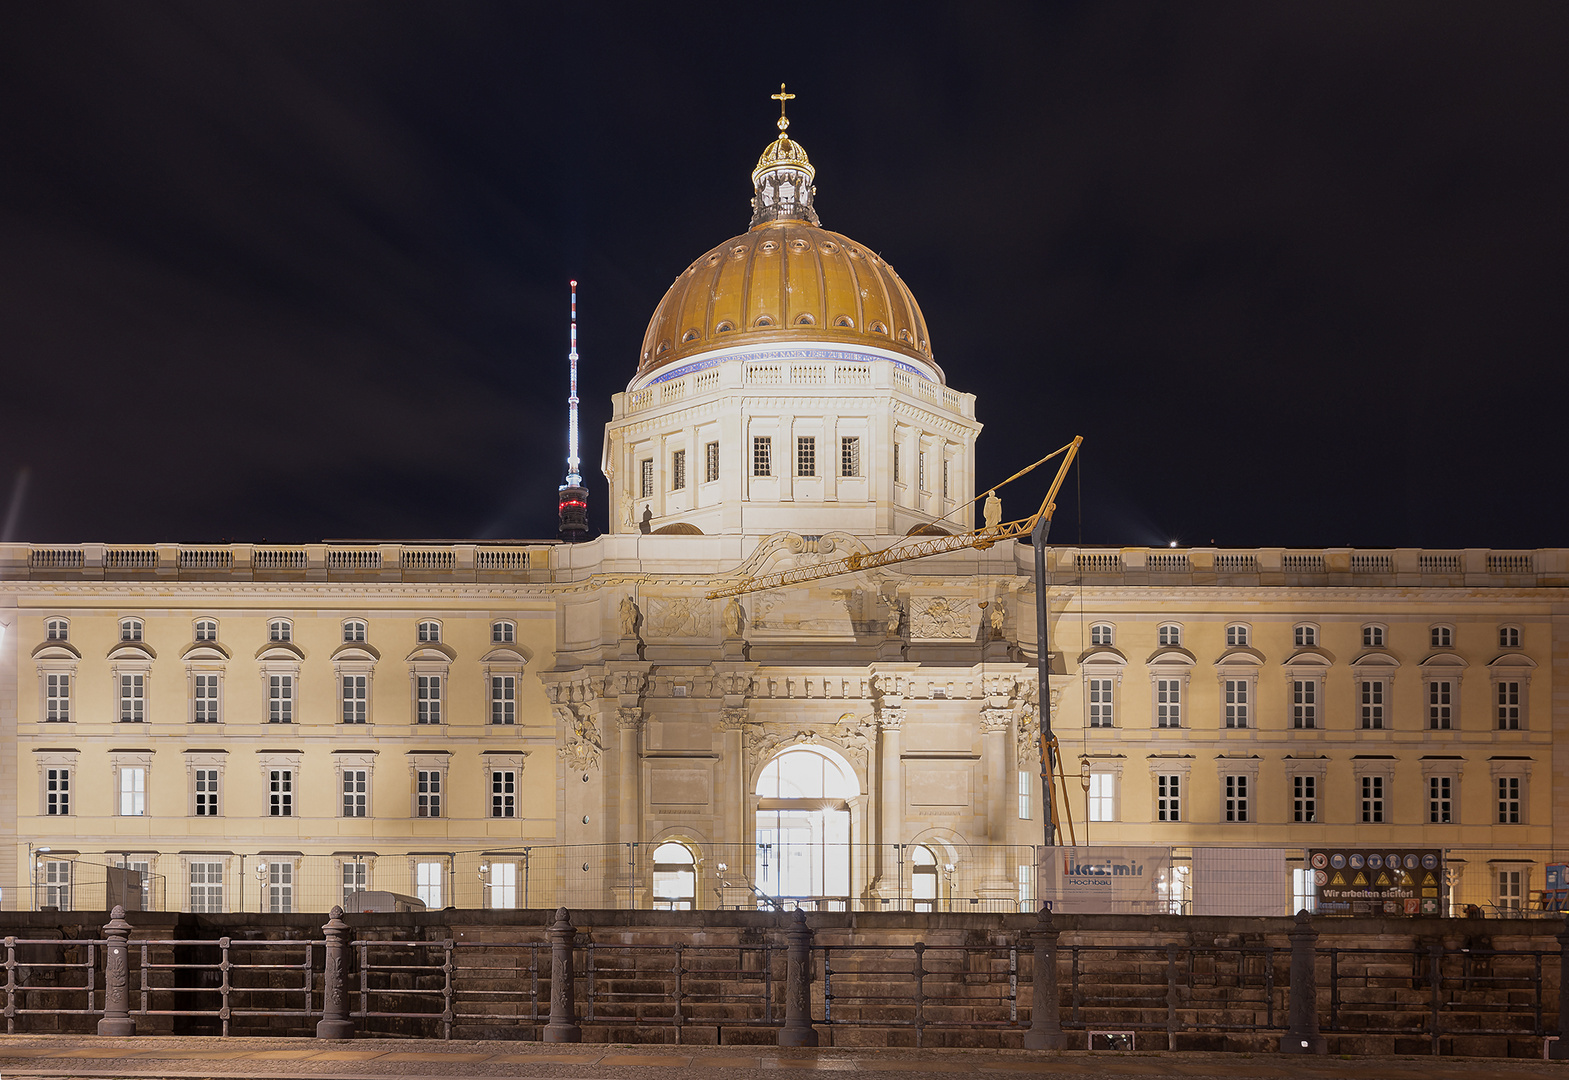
(276,562)
(1327,566)
(803,374)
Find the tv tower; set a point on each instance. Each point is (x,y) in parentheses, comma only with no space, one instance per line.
(572,500)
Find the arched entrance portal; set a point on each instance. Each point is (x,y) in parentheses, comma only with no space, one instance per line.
(803,825)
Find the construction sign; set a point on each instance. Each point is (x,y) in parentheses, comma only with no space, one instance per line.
(1365,881)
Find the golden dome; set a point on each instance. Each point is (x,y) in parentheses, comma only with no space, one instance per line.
(785,281)
(782,151)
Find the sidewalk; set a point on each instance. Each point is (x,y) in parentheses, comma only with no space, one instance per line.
(26,1056)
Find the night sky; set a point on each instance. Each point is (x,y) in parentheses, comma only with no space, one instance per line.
(290,272)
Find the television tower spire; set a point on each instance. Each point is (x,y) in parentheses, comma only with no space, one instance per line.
(572,501)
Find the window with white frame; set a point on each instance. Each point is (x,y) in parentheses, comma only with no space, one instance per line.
(1103,796)
(205,792)
(1441,637)
(280,792)
(1168,702)
(1508,637)
(675,877)
(646,478)
(1506,696)
(1237,695)
(280,699)
(710,462)
(354,698)
(57,630)
(130,629)
(503,699)
(503,632)
(427,793)
(354,630)
(1510,808)
(806,455)
(133,698)
(762,455)
(1371,695)
(1304,797)
(678,470)
(1168,797)
(56,882)
(355,786)
(57,791)
(503,793)
(1372,799)
(132,786)
(501,885)
(1237,789)
(1304,635)
(1169,635)
(427,699)
(1100,634)
(205,881)
(206,630)
(1236,634)
(428,875)
(1372,636)
(356,879)
(1304,890)
(1440,704)
(849,456)
(1509,887)
(1025,880)
(205,702)
(1441,800)
(1304,703)
(1100,703)
(280,630)
(1026,789)
(280,886)
(57,698)
(428,631)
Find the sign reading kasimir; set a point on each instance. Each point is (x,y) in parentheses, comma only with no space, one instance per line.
(1084,880)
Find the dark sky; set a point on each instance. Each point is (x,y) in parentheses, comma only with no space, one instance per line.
(297,271)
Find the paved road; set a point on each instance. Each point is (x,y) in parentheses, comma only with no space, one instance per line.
(156,1058)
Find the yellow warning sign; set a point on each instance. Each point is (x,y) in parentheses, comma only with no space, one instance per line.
(1383,879)
(1338,879)
(1360,879)
(1429,879)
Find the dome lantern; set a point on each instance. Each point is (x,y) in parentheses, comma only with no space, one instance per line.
(782,182)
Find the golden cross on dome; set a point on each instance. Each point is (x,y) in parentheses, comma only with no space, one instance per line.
(782,97)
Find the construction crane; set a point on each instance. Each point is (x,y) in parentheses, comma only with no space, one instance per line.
(1036,527)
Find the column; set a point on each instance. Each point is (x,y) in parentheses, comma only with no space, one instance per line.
(890,830)
(999,774)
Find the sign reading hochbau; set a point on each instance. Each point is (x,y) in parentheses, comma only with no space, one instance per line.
(1105,879)
(1399,881)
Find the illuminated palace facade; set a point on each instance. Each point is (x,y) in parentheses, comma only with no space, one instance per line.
(514,724)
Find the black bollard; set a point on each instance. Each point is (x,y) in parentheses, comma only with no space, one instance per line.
(1559,1050)
(1302,1035)
(335,1022)
(563,1027)
(117,977)
(798,1029)
(1045,1031)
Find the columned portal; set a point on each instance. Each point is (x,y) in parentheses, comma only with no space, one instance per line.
(803,826)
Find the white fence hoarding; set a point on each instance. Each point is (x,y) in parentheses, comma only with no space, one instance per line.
(1087,880)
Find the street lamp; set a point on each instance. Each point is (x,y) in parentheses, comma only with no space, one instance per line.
(1084,782)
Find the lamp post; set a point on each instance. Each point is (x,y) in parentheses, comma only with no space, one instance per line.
(261,884)
(1084,782)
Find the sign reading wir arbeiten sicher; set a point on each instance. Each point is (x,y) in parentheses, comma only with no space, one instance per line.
(1383,881)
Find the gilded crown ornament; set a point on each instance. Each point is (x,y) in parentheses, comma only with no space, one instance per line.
(782,182)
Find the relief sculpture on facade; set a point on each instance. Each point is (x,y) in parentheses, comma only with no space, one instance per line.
(940,617)
(581,746)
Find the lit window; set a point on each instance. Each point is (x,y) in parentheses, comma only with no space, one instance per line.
(849,456)
(678,470)
(501,885)
(1372,637)
(56,630)
(1103,797)
(133,699)
(204,699)
(503,699)
(354,630)
(1100,703)
(806,455)
(280,792)
(503,793)
(1372,800)
(1509,800)
(280,887)
(429,632)
(1236,798)
(1168,798)
(1440,800)
(1170,634)
(206,883)
(1236,635)
(133,791)
(428,793)
(710,462)
(130,629)
(280,699)
(1168,703)
(1509,889)
(427,884)
(57,699)
(646,470)
(1508,705)
(762,455)
(1440,704)
(502,632)
(1304,703)
(1304,798)
(206,783)
(429,699)
(355,700)
(1026,786)
(1100,634)
(1237,703)
(675,878)
(356,792)
(1441,637)
(1371,693)
(1305,636)
(206,630)
(280,630)
(1509,637)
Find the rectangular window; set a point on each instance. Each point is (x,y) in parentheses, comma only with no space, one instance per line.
(1169,635)
(57,884)
(945,478)
(427,884)
(1305,636)
(920,470)
(1168,798)
(429,704)
(1304,891)
(503,793)
(206,885)
(280,793)
(1236,798)
(133,791)
(1372,800)
(1103,796)
(356,879)
(1304,798)
(1509,800)
(1026,884)
(356,785)
(710,462)
(502,885)
(896,464)
(57,698)
(1371,692)
(280,699)
(1509,890)
(678,470)
(1441,637)
(762,455)
(280,887)
(1236,635)
(133,699)
(647,468)
(805,455)
(503,699)
(1100,703)
(1372,637)
(1236,703)
(204,704)
(428,793)
(354,699)
(1508,706)
(1304,703)
(206,781)
(1026,786)
(1508,637)
(57,792)
(849,455)
(1168,703)
(1440,800)
(1440,704)
(1100,634)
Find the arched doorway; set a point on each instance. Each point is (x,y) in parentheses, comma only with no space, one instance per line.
(803,825)
(675,877)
